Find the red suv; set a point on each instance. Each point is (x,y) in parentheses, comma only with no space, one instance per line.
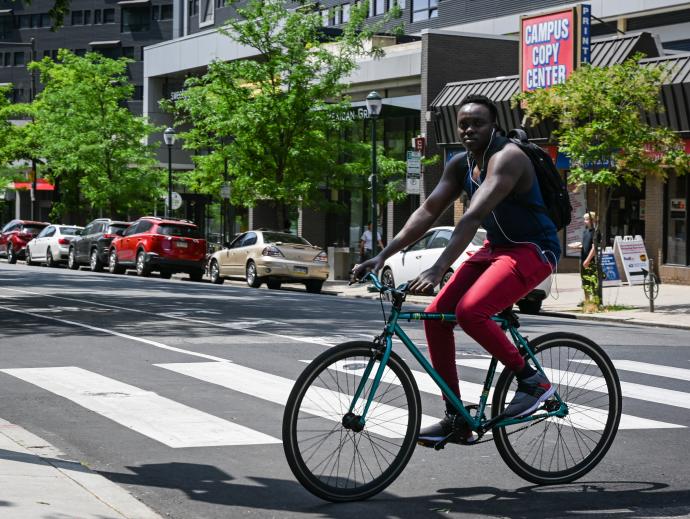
(162,244)
(14,237)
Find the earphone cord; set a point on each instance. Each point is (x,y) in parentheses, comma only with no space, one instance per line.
(553,266)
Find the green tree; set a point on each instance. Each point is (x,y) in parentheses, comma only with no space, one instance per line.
(93,145)
(286,108)
(598,113)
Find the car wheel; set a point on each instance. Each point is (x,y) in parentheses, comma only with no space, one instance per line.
(314,286)
(29,259)
(253,279)
(529,306)
(143,269)
(196,275)
(446,278)
(11,255)
(95,263)
(273,284)
(50,261)
(216,278)
(387,278)
(72,260)
(165,275)
(113,265)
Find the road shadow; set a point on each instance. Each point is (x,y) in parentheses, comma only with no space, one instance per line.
(209,484)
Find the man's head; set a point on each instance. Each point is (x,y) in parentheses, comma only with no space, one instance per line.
(477,122)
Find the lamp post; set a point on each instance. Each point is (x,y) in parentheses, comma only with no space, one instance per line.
(374,103)
(169,138)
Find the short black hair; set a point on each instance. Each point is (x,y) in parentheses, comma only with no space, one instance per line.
(481,100)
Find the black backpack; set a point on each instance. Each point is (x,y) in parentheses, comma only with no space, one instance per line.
(553,189)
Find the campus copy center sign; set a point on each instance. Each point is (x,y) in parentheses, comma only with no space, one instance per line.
(552,45)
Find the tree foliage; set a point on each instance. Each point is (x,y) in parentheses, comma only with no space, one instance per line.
(92,143)
(285,108)
(599,124)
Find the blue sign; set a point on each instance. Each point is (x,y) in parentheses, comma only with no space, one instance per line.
(563,162)
(609,269)
(452,152)
(586,24)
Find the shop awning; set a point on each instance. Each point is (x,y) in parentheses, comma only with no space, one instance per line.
(41,185)
(6,12)
(105,43)
(605,52)
(133,3)
(675,92)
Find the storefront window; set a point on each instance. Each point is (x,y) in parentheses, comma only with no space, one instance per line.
(676,224)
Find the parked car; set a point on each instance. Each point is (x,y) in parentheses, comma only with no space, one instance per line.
(92,246)
(15,235)
(158,244)
(421,255)
(52,245)
(273,258)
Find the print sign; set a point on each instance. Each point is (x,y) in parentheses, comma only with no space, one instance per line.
(552,45)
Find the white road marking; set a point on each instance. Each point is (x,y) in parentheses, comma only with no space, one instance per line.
(318,401)
(171,423)
(593,418)
(629,389)
(658,370)
(117,334)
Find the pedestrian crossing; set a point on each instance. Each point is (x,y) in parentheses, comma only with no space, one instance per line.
(177,425)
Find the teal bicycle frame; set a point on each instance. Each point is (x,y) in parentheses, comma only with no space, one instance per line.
(476,422)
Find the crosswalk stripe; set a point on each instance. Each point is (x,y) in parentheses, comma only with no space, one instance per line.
(648,369)
(276,389)
(171,423)
(629,389)
(585,417)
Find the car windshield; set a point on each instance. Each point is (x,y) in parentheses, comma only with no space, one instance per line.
(186,231)
(274,237)
(117,227)
(69,231)
(33,229)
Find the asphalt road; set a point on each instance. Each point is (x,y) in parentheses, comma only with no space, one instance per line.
(197,449)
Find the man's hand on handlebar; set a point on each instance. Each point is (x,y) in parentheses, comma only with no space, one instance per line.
(426,281)
(371,265)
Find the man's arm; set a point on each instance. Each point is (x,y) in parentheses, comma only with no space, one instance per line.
(506,170)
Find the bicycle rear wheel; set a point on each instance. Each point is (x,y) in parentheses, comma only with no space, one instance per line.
(560,450)
(336,463)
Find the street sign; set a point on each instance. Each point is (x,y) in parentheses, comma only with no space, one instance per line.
(419,144)
(176,200)
(414,172)
(225,190)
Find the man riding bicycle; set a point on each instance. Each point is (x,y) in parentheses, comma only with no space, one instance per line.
(521,250)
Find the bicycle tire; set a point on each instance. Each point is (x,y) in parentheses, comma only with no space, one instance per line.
(654,286)
(391,439)
(586,380)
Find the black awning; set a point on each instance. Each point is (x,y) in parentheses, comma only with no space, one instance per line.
(605,52)
(675,92)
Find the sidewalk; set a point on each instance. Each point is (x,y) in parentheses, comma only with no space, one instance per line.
(671,308)
(37,482)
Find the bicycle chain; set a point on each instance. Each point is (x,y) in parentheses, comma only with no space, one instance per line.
(535,422)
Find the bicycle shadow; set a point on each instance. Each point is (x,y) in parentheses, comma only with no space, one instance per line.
(207,484)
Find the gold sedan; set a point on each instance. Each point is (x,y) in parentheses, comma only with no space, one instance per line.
(273,258)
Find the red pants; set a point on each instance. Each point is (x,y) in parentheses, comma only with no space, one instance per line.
(491,280)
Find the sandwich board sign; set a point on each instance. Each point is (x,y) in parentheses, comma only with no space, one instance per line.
(632,255)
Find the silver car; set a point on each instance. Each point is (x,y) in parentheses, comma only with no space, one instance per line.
(51,246)
(273,258)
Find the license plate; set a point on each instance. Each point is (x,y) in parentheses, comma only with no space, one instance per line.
(301,270)
(182,244)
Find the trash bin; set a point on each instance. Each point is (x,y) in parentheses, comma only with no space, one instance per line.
(339,263)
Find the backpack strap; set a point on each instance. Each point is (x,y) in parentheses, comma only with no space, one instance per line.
(518,134)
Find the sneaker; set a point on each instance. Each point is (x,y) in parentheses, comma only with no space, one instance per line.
(530,394)
(453,429)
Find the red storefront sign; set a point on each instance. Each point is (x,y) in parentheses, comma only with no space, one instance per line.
(551,46)
(656,155)
(41,185)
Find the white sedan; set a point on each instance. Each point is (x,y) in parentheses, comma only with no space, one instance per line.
(421,255)
(51,246)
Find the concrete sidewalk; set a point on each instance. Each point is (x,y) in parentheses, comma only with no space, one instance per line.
(37,482)
(672,306)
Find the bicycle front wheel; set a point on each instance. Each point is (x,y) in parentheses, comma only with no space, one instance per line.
(337,463)
(561,450)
